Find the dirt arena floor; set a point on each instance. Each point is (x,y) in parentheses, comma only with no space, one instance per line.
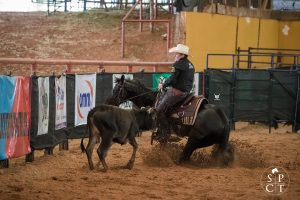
(65,175)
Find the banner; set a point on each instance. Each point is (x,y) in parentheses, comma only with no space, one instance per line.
(85,89)
(43,119)
(60,103)
(127,104)
(158,78)
(14,117)
(195,89)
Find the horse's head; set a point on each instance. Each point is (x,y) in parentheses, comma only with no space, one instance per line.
(132,90)
(119,93)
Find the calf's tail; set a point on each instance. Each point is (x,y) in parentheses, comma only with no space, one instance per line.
(87,132)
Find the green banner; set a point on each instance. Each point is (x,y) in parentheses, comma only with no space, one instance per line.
(157,78)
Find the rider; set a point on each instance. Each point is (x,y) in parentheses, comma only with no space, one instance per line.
(177,86)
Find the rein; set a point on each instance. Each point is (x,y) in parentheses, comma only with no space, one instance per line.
(137,96)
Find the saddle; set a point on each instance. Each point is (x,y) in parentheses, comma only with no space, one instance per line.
(187,110)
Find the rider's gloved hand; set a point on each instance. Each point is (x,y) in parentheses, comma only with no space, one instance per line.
(160,86)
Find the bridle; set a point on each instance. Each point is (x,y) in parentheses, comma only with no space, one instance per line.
(127,99)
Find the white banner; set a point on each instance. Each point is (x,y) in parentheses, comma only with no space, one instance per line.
(61,103)
(85,97)
(43,85)
(196,84)
(127,104)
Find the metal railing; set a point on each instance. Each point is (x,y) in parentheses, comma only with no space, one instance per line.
(272,63)
(69,64)
(275,53)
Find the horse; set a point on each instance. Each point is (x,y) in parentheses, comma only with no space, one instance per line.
(211,125)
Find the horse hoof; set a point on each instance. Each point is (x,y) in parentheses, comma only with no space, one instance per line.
(129,166)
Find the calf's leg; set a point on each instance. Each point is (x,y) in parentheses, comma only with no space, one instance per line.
(89,151)
(134,145)
(102,151)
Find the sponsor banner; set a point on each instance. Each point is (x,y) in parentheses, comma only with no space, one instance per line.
(60,103)
(14,117)
(85,96)
(43,88)
(195,89)
(127,104)
(158,78)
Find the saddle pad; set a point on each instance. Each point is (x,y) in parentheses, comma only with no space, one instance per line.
(188,113)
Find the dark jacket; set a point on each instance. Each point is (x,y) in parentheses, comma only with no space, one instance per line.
(182,77)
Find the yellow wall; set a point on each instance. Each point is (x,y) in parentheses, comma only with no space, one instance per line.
(217,34)
(268,38)
(247,35)
(212,33)
(291,40)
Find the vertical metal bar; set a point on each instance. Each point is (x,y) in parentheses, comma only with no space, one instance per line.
(233,57)
(203,83)
(270,99)
(232,100)
(168,38)
(66,6)
(141,14)
(129,68)
(207,61)
(238,57)
(155,68)
(249,58)
(84,5)
(122,39)
(272,61)
(296,104)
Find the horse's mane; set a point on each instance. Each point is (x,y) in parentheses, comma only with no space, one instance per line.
(134,85)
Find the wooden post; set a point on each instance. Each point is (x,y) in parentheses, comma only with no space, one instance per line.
(48,151)
(4,163)
(64,145)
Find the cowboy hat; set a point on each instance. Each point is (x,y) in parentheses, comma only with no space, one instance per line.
(180,48)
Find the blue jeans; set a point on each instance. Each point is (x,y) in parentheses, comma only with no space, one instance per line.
(166,102)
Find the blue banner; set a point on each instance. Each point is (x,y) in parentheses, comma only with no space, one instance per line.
(7,93)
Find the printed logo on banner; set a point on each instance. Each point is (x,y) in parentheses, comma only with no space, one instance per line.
(217,97)
(61,108)
(127,104)
(158,78)
(43,85)
(85,89)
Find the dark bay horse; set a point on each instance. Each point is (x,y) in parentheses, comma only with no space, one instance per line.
(210,127)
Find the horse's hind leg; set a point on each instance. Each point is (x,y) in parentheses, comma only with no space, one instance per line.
(102,151)
(188,149)
(134,145)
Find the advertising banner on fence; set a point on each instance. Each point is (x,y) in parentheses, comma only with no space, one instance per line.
(195,89)
(61,107)
(127,104)
(85,96)
(14,117)
(43,85)
(159,78)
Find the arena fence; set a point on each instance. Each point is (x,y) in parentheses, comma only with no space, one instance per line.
(268,95)
(40,112)
(45,111)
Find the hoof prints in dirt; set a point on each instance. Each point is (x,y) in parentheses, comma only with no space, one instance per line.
(247,155)
(166,156)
